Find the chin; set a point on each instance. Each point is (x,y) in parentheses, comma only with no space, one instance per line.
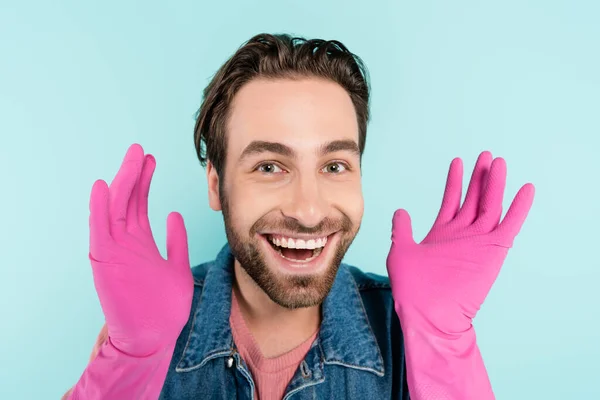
(293,284)
(292,279)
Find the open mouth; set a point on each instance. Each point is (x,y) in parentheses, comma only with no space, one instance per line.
(297,250)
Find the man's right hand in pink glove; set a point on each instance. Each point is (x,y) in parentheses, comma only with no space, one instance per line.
(146,299)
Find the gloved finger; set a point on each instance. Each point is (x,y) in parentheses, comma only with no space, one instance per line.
(131,220)
(122,186)
(490,205)
(177,242)
(511,225)
(468,211)
(402,228)
(144,191)
(99,218)
(452,192)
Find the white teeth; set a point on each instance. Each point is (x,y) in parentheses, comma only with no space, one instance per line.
(315,255)
(291,243)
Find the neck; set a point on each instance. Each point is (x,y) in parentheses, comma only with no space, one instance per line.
(276,329)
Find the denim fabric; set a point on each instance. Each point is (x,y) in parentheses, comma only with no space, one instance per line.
(358,353)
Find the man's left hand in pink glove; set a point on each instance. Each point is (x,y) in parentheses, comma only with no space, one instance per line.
(439,284)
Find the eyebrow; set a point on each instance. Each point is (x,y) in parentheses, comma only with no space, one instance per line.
(339,145)
(261,146)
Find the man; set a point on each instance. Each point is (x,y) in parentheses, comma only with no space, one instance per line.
(281,130)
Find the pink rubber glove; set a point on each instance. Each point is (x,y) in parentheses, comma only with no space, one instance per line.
(439,284)
(146,299)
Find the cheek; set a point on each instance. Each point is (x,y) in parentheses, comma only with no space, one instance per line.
(348,197)
(249,203)
(354,207)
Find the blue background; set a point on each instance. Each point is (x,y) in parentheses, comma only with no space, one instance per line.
(81,81)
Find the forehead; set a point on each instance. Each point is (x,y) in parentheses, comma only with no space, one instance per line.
(300,113)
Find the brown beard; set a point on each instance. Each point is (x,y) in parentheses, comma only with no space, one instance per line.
(288,291)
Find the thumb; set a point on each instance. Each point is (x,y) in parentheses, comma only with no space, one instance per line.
(402,228)
(177,244)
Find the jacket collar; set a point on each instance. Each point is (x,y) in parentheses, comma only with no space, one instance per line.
(345,336)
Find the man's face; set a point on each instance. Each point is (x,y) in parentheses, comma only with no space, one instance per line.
(291,193)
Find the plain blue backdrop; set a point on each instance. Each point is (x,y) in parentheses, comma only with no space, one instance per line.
(81,81)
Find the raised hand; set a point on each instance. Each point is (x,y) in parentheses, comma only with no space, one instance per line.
(445,278)
(146,298)
(439,284)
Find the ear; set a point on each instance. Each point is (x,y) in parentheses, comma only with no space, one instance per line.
(213,187)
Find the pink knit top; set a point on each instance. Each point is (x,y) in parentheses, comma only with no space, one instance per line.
(271,375)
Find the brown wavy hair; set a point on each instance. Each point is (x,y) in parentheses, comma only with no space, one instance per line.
(276,56)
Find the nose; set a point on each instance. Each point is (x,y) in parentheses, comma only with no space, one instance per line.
(306,202)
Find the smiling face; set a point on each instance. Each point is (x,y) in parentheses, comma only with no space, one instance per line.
(291,193)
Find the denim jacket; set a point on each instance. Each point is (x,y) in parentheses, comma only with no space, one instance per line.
(358,352)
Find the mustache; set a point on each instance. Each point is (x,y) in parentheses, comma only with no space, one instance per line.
(288,224)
